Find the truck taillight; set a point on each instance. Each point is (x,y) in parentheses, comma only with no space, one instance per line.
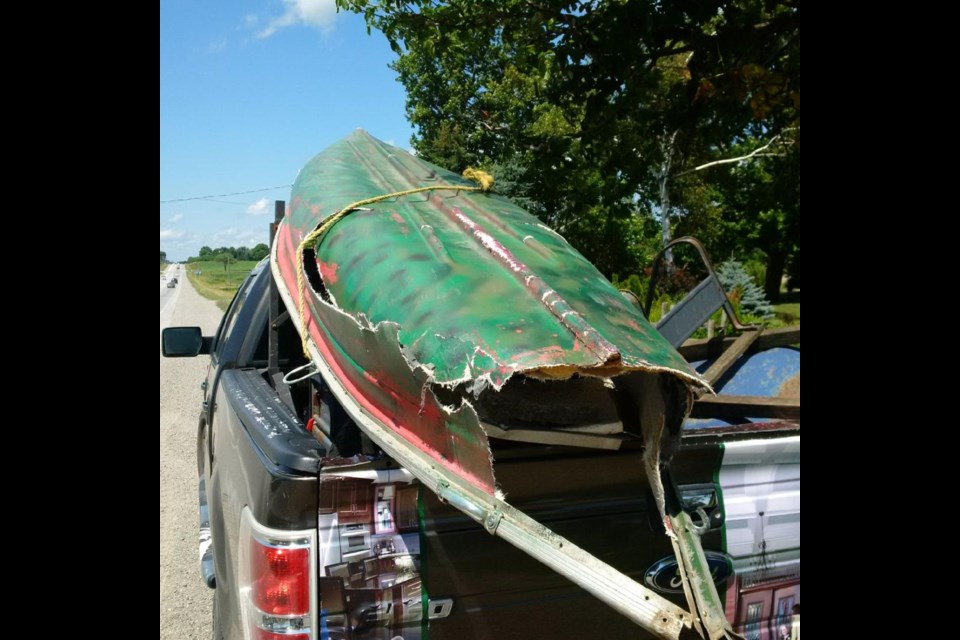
(277,582)
(281,578)
(260,634)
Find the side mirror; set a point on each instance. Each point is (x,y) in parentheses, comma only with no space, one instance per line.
(184,342)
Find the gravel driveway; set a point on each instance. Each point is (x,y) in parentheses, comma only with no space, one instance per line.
(184,601)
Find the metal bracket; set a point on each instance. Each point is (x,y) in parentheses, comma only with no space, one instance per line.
(283,317)
(490,519)
(296,375)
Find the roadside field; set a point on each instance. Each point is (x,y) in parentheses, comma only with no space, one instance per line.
(215,282)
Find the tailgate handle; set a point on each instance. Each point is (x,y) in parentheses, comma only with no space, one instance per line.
(440,608)
(703,500)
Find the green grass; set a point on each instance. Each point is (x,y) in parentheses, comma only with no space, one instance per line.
(163,267)
(215,283)
(789,308)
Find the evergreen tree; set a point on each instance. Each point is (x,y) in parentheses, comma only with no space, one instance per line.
(740,286)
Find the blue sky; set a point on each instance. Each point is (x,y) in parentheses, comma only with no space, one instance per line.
(250,90)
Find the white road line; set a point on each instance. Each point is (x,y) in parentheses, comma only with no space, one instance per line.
(173,297)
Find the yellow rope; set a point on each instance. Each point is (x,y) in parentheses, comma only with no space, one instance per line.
(485,180)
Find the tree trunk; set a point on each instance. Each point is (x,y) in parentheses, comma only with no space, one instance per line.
(665,201)
(776,264)
(665,221)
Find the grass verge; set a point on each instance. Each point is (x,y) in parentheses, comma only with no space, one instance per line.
(213,282)
(788,311)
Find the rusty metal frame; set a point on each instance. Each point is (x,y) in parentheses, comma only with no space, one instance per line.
(750,339)
(711,276)
(276,318)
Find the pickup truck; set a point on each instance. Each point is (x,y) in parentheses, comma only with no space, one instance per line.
(309,532)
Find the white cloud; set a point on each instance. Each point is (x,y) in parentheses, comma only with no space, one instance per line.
(259,207)
(186,240)
(176,218)
(232,236)
(319,14)
(166,234)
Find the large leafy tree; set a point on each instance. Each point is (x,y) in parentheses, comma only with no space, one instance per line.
(259,252)
(596,114)
(762,210)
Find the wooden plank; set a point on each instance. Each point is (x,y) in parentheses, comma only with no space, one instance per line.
(699,349)
(746,407)
(552,436)
(731,355)
(746,430)
(598,429)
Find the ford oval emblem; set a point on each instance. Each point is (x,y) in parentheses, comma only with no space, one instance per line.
(663,576)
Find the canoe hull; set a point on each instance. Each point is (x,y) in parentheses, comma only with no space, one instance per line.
(449,291)
(416,310)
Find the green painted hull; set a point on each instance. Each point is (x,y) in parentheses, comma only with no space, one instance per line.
(449,290)
(464,310)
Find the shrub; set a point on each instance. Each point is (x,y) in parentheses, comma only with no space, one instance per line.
(632,283)
(747,296)
(756,269)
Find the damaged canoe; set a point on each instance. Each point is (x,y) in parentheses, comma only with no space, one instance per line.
(442,315)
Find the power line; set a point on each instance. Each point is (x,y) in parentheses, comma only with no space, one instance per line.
(241,204)
(226,195)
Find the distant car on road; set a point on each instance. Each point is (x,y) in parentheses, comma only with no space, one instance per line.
(172,284)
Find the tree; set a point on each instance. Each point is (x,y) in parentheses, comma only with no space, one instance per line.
(206,253)
(226,257)
(259,252)
(163,257)
(592,113)
(748,295)
(762,212)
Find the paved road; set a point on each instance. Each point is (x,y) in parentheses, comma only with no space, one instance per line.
(167,294)
(184,601)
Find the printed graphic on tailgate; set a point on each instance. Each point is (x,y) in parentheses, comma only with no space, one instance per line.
(369,549)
